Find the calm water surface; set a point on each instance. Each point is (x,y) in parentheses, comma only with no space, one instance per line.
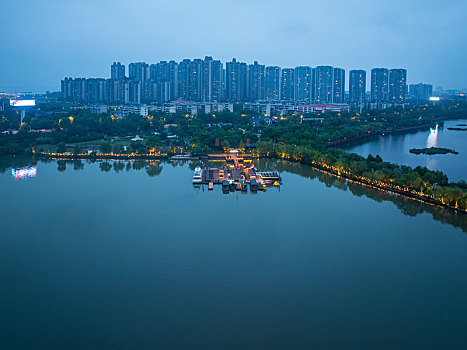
(94,259)
(395,148)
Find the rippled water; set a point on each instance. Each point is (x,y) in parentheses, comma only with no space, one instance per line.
(132,259)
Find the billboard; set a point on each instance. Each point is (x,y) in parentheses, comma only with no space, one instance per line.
(434,98)
(22,103)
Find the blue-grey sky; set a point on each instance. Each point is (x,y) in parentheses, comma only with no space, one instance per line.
(46,40)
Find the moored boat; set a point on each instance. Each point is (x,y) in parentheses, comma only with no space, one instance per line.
(233,186)
(244,186)
(198,176)
(253,185)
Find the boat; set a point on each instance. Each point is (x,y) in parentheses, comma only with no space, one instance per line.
(268,182)
(211,186)
(244,186)
(276,184)
(225,186)
(269,175)
(253,185)
(260,185)
(198,176)
(233,186)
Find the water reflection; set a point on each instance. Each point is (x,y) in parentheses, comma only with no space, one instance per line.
(78,165)
(61,165)
(154,168)
(9,163)
(105,166)
(24,173)
(432,140)
(406,205)
(395,148)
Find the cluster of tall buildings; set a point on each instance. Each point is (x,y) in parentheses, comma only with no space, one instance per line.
(210,80)
(421,91)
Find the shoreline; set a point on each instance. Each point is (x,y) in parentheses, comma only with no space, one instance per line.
(116,156)
(368,183)
(372,134)
(361,181)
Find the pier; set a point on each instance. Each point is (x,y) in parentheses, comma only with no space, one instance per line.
(239,169)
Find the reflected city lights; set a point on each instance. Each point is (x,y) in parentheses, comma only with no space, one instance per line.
(432,140)
(24,173)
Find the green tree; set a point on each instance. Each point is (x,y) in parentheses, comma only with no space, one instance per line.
(225,145)
(61,147)
(106,147)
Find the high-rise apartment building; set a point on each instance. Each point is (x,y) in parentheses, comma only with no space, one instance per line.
(207,80)
(158,72)
(357,85)
(138,71)
(163,83)
(302,84)
(74,89)
(211,80)
(421,91)
(338,89)
(379,85)
(287,84)
(236,81)
(173,79)
(256,82)
(134,91)
(184,69)
(323,84)
(196,75)
(397,85)
(111,91)
(95,90)
(273,77)
(117,71)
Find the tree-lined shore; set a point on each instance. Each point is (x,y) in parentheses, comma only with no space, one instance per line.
(418,183)
(302,138)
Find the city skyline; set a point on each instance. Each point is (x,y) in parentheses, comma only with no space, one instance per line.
(211,80)
(125,68)
(60,38)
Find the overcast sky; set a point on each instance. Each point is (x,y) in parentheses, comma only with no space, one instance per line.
(43,41)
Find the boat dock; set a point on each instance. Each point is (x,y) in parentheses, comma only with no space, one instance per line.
(269,175)
(238,170)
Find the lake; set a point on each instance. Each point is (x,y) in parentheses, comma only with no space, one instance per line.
(395,148)
(133,256)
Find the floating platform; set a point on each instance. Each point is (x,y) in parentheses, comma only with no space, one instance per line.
(238,175)
(269,175)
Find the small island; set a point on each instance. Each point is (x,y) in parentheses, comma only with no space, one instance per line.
(432,150)
(458,129)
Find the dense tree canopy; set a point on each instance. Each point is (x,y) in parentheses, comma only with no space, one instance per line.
(304,138)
